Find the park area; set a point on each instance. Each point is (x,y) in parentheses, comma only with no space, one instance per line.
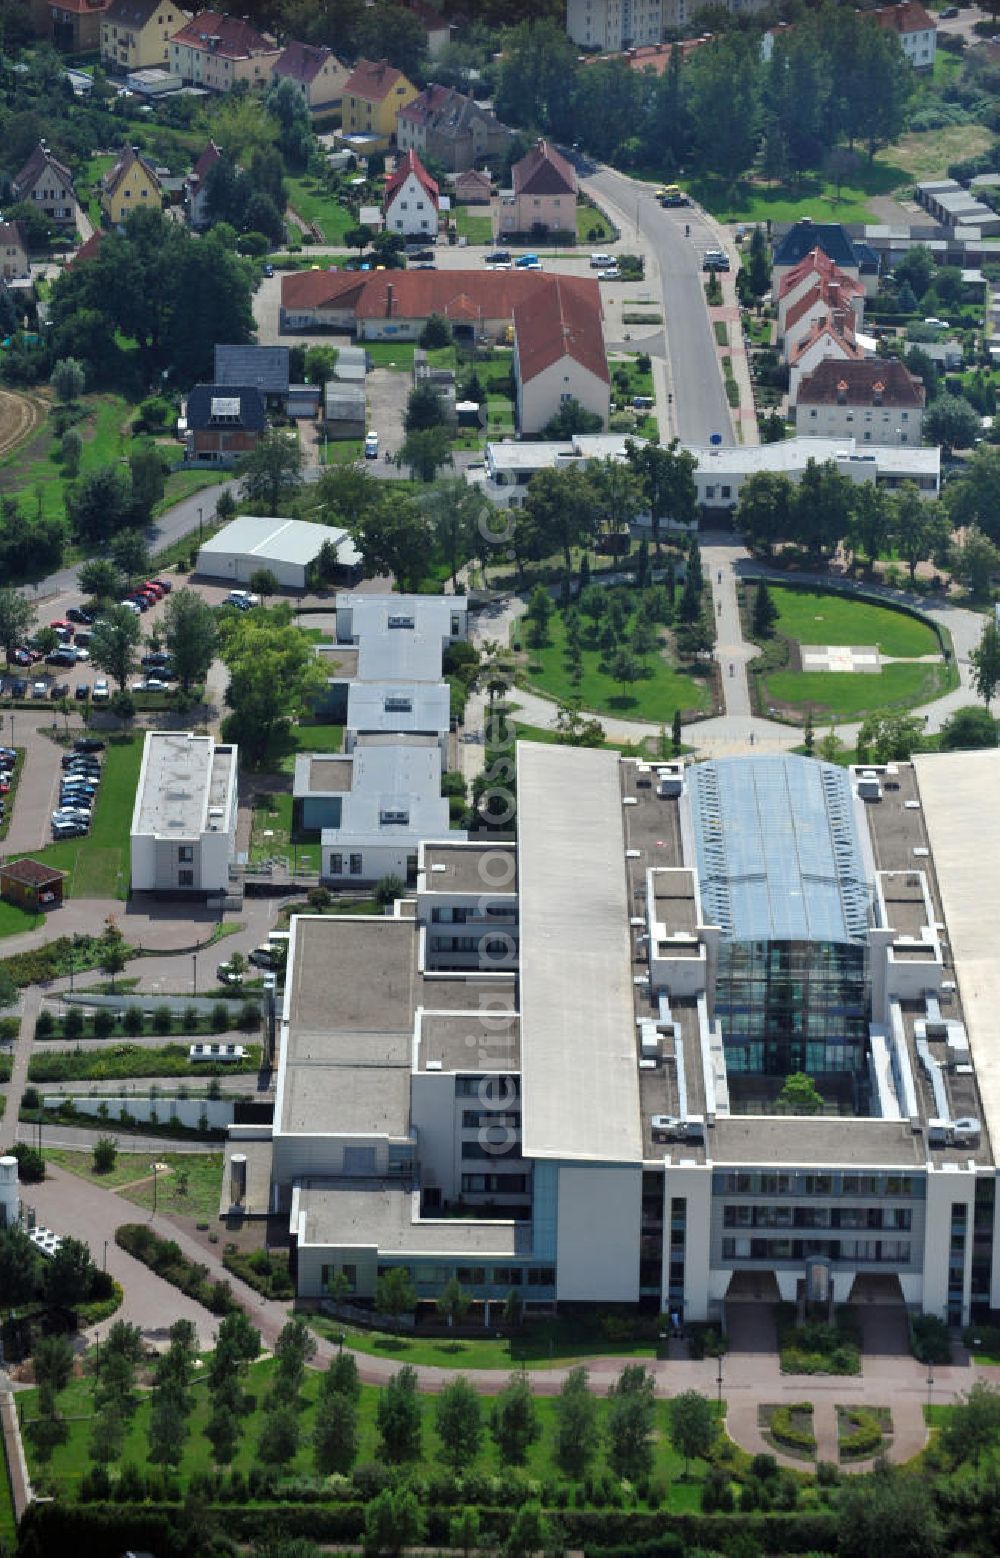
(837,657)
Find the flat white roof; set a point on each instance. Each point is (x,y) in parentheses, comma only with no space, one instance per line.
(402,706)
(957,791)
(400,657)
(269,539)
(377,614)
(580,1079)
(395,794)
(186,786)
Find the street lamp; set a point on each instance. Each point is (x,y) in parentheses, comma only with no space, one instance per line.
(154,1168)
(199,527)
(930,1384)
(105,1266)
(97,1364)
(718,1381)
(194,960)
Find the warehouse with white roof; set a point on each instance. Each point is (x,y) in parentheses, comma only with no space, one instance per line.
(287,547)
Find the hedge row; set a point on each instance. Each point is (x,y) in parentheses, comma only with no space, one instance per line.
(54,958)
(127,1061)
(784,1430)
(864,1438)
(165,1257)
(94,1530)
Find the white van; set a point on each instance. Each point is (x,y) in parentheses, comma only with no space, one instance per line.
(601,261)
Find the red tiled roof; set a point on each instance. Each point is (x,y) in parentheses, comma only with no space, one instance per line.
(372,80)
(874,381)
(206,162)
(427,103)
(31,873)
(230,36)
(88,250)
(830,293)
(543,171)
(302,61)
(418,294)
(322,288)
(903,18)
(563,320)
(407,164)
(837,333)
(817,263)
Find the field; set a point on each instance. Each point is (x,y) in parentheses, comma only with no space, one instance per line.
(98,864)
(654,698)
(814,617)
(308,198)
(133,1177)
(848,696)
(592,226)
(70,1460)
(20,416)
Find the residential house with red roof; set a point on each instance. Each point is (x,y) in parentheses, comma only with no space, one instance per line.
(196,186)
(13,251)
(828,338)
(48,184)
(472,188)
(559,353)
(875,401)
(817,270)
(411,200)
(135,34)
(216,51)
(87,251)
(915,28)
(371,101)
(452,128)
(74,26)
(317,72)
(543,198)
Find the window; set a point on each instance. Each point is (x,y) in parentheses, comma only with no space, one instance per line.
(471,1276)
(355,865)
(185,879)
(185,852)
(336,865)
(541,1277)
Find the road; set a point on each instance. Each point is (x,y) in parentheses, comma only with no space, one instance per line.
(699,407)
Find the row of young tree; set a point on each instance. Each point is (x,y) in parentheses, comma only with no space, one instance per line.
(834,80)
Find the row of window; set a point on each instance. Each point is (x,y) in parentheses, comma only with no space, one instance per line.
(743,1215)
(488,946)
(472,1121)
(493,1091)
(479,1276)
(337,865)
(461,915)
(496,1184)
(874,1251)
(760,1182)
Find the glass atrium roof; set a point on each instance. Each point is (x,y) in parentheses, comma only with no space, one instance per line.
(778,852)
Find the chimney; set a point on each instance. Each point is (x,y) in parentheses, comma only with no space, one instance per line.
(841,392)
(390,300)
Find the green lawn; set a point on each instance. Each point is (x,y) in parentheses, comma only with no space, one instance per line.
(308,197)
(42,478)
(121,1061)
(98,864)
(818,617)
(204,1171)
(391,354)
(591,225)
(70,1460)
(343,451)
(850,695)
(544,1344)
(8,1529)
(271,834)
(654,698)
(474,223)
(813,196)
(87,184)
(14,921)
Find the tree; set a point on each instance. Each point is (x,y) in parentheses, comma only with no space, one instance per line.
(577,1433)
(395,1294)
(148,483)
(974,498)
(18,1266)
(168,1428)
(973,1425)
(394,537)
(561,510)
(358,237)
(68,1275)
(821,508)
(629,1423)
(264,582)
(514,1423)
(539,615)
(99,504)
(273,676)
(17,616)
(458,1420)
(423,408)
(693,1427)
(920,526)
(952,422)
(985,661)
(68,378)
(458,515)
(968,728)
(625,668)
(320,363)
(574,729)
(52,1360)
(916,267)
(393,1520)
(190,635)
(764,511)
(890,1511)
(453,1302)
(870,522)
(397,1417)
(272,473)
(425,451)
(974,561)
(335,1430)
(529,1532)
(388,889)
(464,1531)
(100,580)
(130,554)
(667,475)
(105,1154)
(279,1437)
(294,1348)
(889,738)
(799,1095)
(114,642)
(765,612)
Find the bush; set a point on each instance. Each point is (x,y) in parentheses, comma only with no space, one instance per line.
(220,1017)
(864,1436)
(31,1098)
(30,1164)
(165,1257)
(73,1023)
(248,1018)
(162,1020)
(133,1021)
(930,1340)
(105,1155)
(44,1024)
(104,1023)
(785,1430)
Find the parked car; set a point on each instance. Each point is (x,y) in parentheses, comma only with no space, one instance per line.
(81,692)
(527,262)
(69,828)
(59,690)
(264,957)
(601,261)
(79,614)
(19,688)
(131,606)
(8,754)
(39,689)
(100,694)
(21,656)
(228,976)
(612,274)
(65,656)
(81,760)
(715,259)
(61,625)
(498,257)
(165,585)
(155,684)
(158,661)
(371,446)
(89,743)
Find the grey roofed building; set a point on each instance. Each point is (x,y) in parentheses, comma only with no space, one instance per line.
(263,366)
(236,406)
(806,235)
(285,546)
(344,409)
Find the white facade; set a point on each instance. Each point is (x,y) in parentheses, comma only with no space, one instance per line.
(885,425)
(412,211)
(285,547)
(360,616)
(612,25)
(389,801)
(541,397)
(829,343)
(184,820)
